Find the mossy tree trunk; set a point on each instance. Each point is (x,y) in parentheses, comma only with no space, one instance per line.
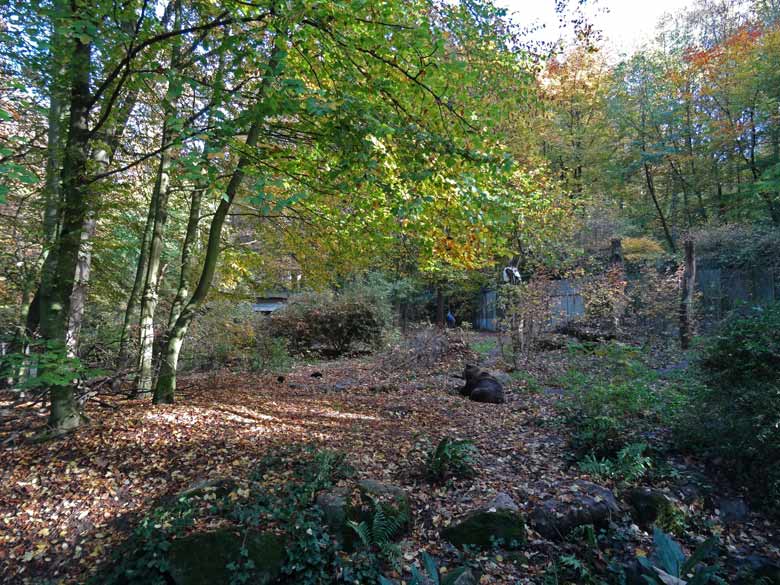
(165,387)
(159,204)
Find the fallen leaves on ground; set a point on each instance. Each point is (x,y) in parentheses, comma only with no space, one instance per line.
(64,504)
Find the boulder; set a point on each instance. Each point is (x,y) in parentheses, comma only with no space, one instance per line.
(335,507)
(500,521)
(732,510)
(650,506)
(203,558)
(583,503)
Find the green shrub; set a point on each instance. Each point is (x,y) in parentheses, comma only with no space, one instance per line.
(331,324)
(609,404)
(232,335)
(733,412)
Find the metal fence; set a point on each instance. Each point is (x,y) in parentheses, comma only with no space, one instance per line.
(720,292)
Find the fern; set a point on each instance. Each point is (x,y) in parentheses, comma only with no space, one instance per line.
(380,533)
(451,457)
(631,464)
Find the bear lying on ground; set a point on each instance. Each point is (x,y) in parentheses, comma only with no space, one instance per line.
(481,386)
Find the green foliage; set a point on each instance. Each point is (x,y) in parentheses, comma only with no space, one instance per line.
(629,466)
(740,246)
(143,558)
(233,335)
(51,363)
(331,323)
(270,355)
(380,532)
(430,576)
(568,569)
(451,458)
(312,557)
(609,403)
(668,559)
(638,249)
(733,406)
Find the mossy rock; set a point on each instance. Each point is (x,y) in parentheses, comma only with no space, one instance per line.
(336,512)
(652,507)
(500,522)
(203,558)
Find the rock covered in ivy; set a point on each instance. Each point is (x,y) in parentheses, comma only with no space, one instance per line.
(205,558)
(651,506)
(580,503)
(498,522)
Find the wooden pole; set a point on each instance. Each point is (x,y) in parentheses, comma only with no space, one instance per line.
(616,253)
(686,298)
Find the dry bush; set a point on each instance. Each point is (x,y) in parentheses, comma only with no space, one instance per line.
(527,310)
(638,249)
(424,348)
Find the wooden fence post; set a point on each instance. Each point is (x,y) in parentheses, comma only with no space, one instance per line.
(616,253)
(686,299)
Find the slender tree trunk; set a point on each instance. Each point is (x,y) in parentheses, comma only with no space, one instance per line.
(187,259)
(686,300)
(78,298)
(132,302)
(166,380)
(159,201)
(151,280)
(654,196)
(440,318)
(187,267)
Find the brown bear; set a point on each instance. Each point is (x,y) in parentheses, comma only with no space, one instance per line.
(481,386)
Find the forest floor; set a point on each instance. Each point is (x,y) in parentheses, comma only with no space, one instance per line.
(65,504)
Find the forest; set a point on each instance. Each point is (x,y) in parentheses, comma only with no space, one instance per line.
(395,293)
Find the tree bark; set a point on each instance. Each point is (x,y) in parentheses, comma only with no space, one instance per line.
(654,196)
(686,300)
(165,387)
(56,290)
(187,259)
(159,202)
(132,302)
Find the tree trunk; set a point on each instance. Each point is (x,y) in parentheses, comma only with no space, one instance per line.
(159,202)
(55,297)
(686,300)
(187,267)
(440,318)
(152,277)
(166,380)
(653,195)
(132,301)
(187,259)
